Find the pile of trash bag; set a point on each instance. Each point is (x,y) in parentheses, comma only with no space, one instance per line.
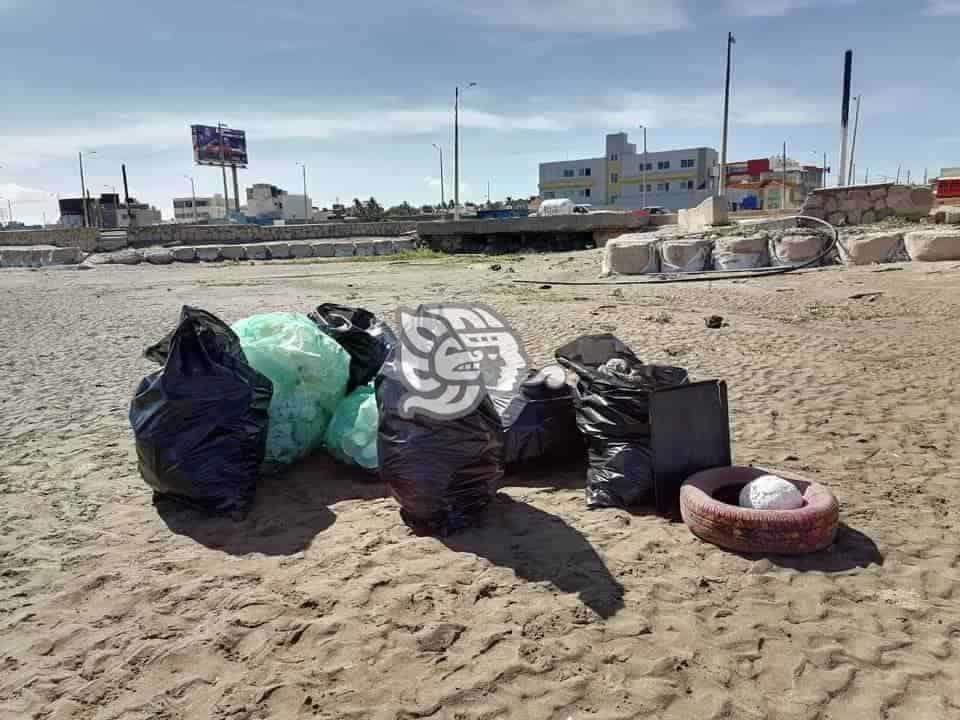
(612,399)
(352,434)
(442,471)
(200,423)
(310,373)
(366,339)
(539,421)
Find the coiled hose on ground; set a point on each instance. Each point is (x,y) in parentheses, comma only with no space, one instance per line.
(713,275)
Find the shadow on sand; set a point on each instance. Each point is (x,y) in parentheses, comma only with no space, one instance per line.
(290,509)
(538,547)
(851,550)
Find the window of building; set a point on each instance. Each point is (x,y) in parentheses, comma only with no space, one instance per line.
(648,167)
(568,173)
(614,178)
(689,184)
(614,157)
(586,193)
(613,199)
(583,172)
(663,187)
(663,165)
(688,163)
(649,187)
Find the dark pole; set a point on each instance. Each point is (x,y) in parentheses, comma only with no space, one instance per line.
(236,189)
(456,154)
(443,199)
(126,189)
(223,170)
(853,145)
(845,117)
(726,118)
(83,192)
(783,204)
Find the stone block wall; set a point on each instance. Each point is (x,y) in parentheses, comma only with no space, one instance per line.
(83,238)
(864,204)
(238,234)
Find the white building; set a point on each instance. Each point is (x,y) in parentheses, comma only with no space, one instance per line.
(208,208)
(138,215)
(624,178)
(270,202)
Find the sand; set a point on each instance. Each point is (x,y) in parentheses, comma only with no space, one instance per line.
(323,605)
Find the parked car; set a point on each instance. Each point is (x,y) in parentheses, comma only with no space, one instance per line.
(655,210)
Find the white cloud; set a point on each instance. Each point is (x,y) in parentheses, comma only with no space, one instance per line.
(159,133)
(777,8)
(619,17)
(20,194)
(943,7)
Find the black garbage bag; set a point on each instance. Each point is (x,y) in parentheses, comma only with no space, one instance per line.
(443,472)
(359,332)
(200,423)
(613,413)
(539,420)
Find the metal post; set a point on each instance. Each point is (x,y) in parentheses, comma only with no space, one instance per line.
(223,170)
(898,173)
(783,199)
(306,210)
(853,145)
(456,154)
(488,193)
(83,193)
(908,177)
(823,180)
(193,191)
(845,117)
(236,189)
(726,119)
(443,199)
(643,171)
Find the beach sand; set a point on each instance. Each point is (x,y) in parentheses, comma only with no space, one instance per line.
(322,604)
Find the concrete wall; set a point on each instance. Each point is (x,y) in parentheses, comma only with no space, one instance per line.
(862,204)
(236,234)
(84,238)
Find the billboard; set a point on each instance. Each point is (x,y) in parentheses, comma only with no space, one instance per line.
(214,145)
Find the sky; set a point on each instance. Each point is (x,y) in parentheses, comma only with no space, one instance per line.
(360,92)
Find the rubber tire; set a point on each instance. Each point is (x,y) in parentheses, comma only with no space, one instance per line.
(780,532)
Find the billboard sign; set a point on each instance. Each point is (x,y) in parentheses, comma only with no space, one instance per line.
(214,145)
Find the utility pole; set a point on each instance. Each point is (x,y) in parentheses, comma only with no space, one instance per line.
(456,151)
(443,199)
(853,147)
(845,117)
(236,189)
(193,190)
(643,171)
(306,208)
(908,177)
(83,193)
(783,201)
(726,118)
(488,193)
(898,173)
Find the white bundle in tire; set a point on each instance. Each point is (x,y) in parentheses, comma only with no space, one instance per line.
(770,492)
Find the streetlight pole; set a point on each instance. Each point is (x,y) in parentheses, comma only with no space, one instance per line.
(853,146)
(443,199)
(643,170)
(306,210)
(83,189)
(223,169)
(731,41)
(193,192)
(456,151)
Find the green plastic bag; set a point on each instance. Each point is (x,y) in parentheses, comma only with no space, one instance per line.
(352,434)
(309,371)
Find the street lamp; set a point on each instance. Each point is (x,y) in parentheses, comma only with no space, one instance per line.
(456,151)
(83,189)
(193,192)
(643,170)
(306,209)
(443,199)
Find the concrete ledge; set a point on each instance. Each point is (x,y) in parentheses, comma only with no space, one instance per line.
(184,254)
(208,253)
(257,252)
(554,223)
(234,252)
(933,245)
(631,254)
(158,256)
(343,249)
(279,251)
(363,248)
(300,250)
(872,248)
(323,249)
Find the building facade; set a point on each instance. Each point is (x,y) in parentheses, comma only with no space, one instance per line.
(208,208)
(625,178)
(771,183)
(268,202)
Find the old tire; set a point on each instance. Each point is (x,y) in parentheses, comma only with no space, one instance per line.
(782,532)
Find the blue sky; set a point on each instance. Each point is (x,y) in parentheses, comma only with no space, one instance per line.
(360,91)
